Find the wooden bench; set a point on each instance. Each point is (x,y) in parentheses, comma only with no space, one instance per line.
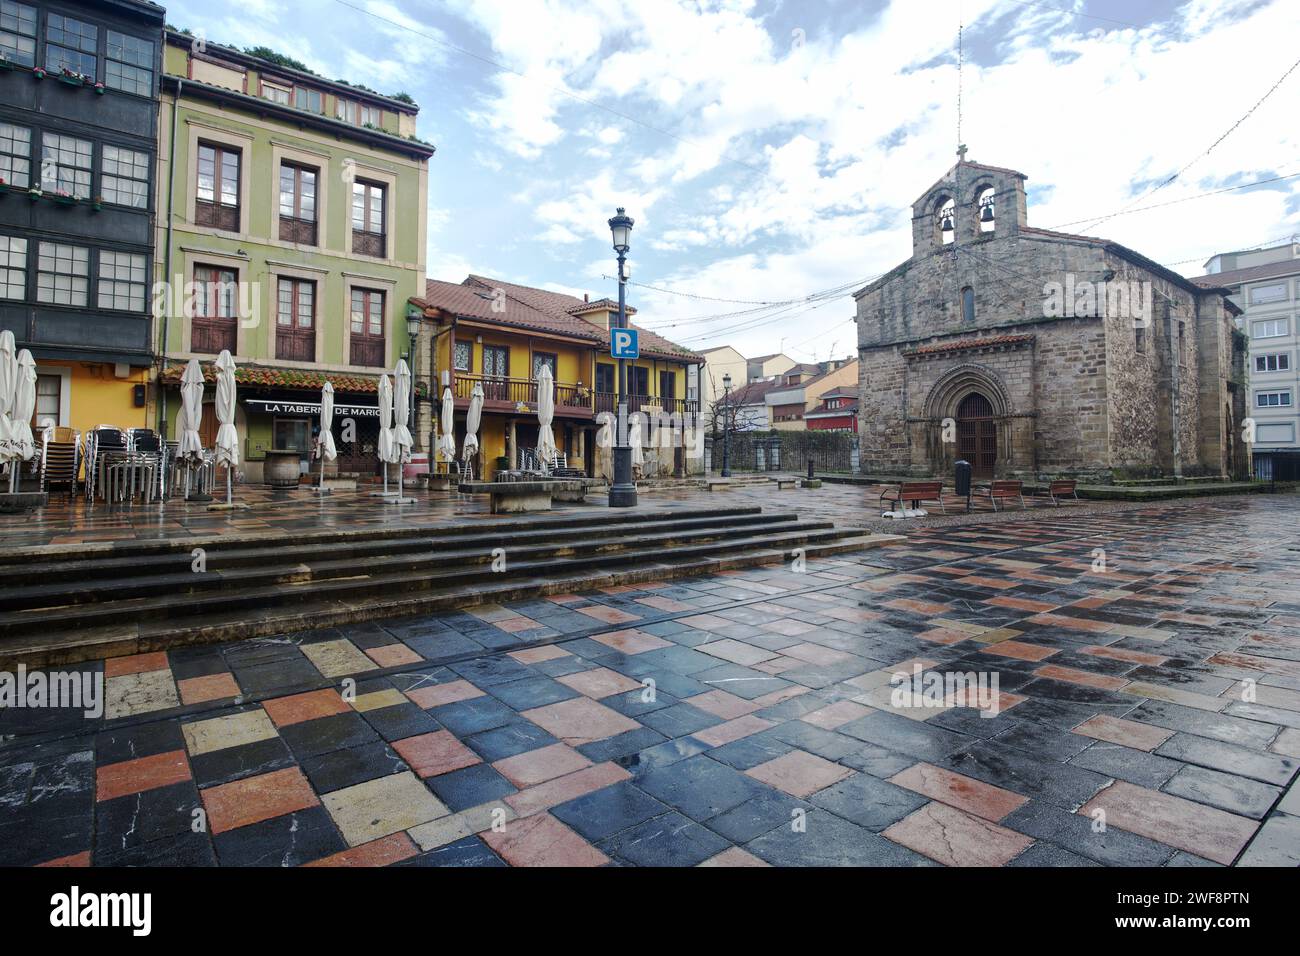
(1061,488)
(915,492)
(514,497)
(1005,489)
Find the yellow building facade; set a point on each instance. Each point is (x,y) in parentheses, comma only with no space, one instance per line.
(498,336)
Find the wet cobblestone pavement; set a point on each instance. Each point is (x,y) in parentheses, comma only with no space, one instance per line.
(1146,711)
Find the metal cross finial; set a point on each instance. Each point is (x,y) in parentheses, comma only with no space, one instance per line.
(961,153)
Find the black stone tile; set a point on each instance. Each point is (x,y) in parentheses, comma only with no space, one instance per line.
(530,692)
(1026,774)
(904,735)
(516,737)
(236,763)
(868,801)
(828,840)
(700,787)
(667,840)
(1110,847)
(622,745)
(470,786)
(756,816)
(468,851)
(660,755)
(400,721)
(128,821)
(680,720)
(610,810)
(326,734)
(1043,740)
(1047,854)
(1229,758)
(141,740)
(344,768)
(289,840)
(183,849)
(1247,798)
(1203,723)
(467,717)
(1125,763)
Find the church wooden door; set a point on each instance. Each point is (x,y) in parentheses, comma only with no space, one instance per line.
(977,435)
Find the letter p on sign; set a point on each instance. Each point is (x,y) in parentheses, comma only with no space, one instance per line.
(623,344)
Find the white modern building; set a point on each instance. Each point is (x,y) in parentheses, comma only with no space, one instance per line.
(1265,284)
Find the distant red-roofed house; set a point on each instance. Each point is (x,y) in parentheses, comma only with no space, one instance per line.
(838,411)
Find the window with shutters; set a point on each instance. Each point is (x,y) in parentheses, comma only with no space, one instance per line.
(217,193)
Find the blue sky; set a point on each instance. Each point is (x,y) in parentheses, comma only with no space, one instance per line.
(769,150)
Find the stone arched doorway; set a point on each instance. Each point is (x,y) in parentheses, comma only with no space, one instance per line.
(977,434)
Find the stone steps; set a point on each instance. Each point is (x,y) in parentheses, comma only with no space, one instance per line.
(138,602)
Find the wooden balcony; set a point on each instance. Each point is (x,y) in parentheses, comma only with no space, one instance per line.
(506,394)
(571,401)
(608,402)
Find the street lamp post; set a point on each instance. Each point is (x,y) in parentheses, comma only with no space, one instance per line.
(726,425)
(622,494)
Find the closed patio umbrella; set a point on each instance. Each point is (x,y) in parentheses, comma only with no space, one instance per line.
(546,450)
(447,440)
(473,418)
(401,433)
(634,439)
(8,383)
(325,449)
(24,406)
(227,436)
(190,448)
(385,449)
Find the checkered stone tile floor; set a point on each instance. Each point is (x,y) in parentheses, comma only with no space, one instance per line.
(1146,712)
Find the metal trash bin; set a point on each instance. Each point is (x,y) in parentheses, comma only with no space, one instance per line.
(962,480)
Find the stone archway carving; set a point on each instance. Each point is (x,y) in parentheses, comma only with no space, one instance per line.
(942,403)
(958,382)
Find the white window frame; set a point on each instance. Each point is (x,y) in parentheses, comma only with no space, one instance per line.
(129,173)
(125,280)
(1283,324)
(1256,295)
(13,263)
(1285,399)
(16,156)
(77,287)
(1281,362)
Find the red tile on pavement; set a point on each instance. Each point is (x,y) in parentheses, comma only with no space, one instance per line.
(537,766)
(433,754)
(957,790)
(954,838)
(390,849)
(135,664)
(144,773)
(254,799)
(1083,678)
(1128,733)
(297,708)
(1204,831)
(542,840)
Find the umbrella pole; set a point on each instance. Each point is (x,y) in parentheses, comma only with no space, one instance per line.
(228,484)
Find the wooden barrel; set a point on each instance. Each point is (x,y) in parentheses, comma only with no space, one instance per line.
(281,468)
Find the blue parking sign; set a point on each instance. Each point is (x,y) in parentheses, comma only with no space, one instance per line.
(623,344)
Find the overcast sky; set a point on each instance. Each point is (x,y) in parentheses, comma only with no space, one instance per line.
(769,150)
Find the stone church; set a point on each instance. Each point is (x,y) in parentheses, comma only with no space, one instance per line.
(1034,354)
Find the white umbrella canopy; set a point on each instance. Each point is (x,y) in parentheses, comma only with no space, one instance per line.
(447,440)
(634,439)
(402,411)
(326,447)
(191,446)
(546,449)
(473,418)
(385,449)
(24,406)
(8,381)
(227,437)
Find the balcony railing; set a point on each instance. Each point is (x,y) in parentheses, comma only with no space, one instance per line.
(608,402)
(506,393)
(510,392)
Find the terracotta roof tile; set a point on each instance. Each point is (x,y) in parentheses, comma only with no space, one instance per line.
(257,376)
(965,344)
(528,307)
